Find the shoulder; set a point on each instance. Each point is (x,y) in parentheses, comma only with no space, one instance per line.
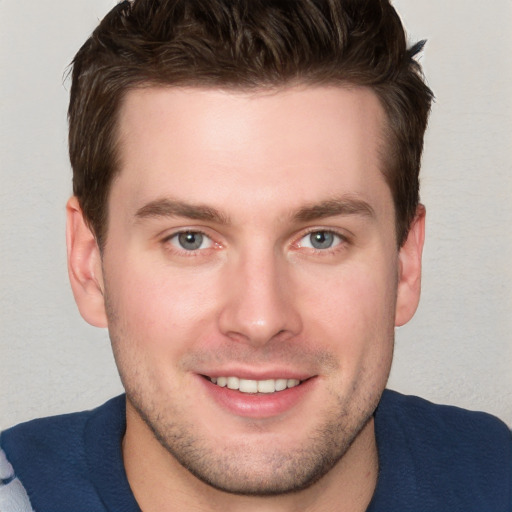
(442,420)
(51,456)
(443,426)
(443,454)
(45,439)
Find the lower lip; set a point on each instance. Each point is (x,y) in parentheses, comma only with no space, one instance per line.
(258,405)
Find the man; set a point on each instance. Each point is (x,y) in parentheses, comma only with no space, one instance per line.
(246,223)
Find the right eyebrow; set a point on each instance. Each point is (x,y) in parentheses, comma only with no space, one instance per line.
(345,205)
(172,208)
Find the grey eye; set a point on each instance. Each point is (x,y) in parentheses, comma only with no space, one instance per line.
(321,239)
(190,240)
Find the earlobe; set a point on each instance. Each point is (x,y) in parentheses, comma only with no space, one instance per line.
(84,266)
(409,279)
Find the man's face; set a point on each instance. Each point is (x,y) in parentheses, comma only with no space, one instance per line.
(251,244)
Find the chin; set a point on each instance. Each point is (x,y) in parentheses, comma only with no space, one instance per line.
(257,467)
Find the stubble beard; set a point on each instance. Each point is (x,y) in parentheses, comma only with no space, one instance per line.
(245,469)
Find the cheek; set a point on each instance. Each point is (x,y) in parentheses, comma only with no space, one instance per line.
(353,313)
(351,295)
(158,307)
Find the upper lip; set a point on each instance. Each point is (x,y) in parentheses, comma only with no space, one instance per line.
(252,374)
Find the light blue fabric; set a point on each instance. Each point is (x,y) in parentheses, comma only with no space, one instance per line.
(13,497)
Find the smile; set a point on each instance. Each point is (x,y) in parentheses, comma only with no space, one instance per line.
(255,386)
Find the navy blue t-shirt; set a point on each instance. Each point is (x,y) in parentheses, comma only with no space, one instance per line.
(431,459)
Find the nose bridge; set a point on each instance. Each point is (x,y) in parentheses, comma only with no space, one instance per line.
(259,305)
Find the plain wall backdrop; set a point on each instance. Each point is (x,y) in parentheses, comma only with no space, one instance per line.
(458,348)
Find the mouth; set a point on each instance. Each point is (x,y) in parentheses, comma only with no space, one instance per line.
(267,386)
(263,398)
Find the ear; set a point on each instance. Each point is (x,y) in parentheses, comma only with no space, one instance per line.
(84,266)
(409,268)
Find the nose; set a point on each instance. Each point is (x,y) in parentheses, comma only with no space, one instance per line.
(259,304)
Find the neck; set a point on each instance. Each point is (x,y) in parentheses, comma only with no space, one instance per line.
(161,484)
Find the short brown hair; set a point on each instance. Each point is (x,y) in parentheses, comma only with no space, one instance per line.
(245,44)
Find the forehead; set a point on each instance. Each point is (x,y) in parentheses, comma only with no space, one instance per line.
(209,145)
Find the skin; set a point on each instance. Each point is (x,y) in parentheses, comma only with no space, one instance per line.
(256,174)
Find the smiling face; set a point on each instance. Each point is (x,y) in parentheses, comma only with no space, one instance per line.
(252,279)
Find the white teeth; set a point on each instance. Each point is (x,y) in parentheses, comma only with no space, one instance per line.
(281,384)
(248,386)
(266,386)
(233,382)
(255,386)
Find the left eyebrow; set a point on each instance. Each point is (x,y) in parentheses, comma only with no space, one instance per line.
(173,208)
(334,207)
